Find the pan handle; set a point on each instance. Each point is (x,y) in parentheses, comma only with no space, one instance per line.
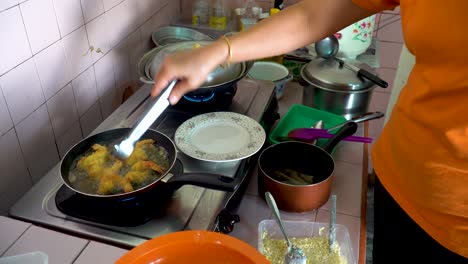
(206,180)
(348,129)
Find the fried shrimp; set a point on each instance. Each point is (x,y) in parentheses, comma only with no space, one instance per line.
(103,173)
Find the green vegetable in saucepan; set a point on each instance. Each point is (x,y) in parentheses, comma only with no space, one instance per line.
(293,177)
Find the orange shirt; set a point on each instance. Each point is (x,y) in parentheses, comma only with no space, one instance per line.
(421,156)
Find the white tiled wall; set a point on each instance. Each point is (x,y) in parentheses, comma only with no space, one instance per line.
(53,89)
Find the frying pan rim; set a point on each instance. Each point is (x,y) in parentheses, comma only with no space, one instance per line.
(330,176)
(119,195)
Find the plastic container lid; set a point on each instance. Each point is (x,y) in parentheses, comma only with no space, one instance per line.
(35,257)
(329,75)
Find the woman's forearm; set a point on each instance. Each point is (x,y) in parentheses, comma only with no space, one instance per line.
(294,27)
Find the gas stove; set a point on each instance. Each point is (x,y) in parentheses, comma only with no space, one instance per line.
(130,222)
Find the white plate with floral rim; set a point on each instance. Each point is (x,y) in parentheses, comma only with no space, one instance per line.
(220,137)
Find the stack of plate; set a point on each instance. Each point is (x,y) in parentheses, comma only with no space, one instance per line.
(150,63)
(171,34)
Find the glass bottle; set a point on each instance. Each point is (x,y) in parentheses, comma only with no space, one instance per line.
(251,14)
(200,12)
(218,15)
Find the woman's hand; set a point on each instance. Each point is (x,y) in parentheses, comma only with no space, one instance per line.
(190,68)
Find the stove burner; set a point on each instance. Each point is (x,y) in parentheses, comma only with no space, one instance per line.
(199,98)
(199,101)
(125,212)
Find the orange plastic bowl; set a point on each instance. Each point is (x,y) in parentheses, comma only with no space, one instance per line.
(193,247)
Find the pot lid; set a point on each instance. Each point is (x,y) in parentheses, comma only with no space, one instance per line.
(329,74)
(220,75)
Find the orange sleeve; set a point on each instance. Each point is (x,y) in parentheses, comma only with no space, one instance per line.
(377,5)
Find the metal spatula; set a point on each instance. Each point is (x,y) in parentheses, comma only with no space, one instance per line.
(124,149)
(294,255)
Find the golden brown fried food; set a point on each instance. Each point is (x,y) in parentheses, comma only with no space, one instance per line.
(94,164)
(141,170)
(111,183)
(139,152)
(112,175)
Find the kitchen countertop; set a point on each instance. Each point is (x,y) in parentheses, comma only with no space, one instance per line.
(350,162)
(20,237)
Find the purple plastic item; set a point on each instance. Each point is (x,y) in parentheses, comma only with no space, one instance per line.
(314,133)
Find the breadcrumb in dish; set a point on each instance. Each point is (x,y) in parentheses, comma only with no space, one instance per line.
(316,250)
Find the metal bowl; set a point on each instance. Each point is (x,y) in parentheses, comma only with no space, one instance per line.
(150,63)
(171,34)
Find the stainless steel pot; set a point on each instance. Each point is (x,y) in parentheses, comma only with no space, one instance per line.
(336,89)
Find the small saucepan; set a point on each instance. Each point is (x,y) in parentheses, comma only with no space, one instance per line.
(299,175)
(166,182)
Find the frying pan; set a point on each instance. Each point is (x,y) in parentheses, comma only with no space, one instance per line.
(167,182)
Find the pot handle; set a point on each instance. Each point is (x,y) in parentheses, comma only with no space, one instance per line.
(206,180)
(346,130)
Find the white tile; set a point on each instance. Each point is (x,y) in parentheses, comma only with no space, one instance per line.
(5,119)
(121,63)
(51,65)
(147,30)
(91,9)
(41,23)
(108,4)
(349,152)
(14,183)
(138,16)
(100,253)
(62,110)
(119,23)
(389,53)
(379,102)
(22,90)
(145,9)
(12,29)
(104,71)
(251,212)
(135,53)
(348,184)
(77,52)
(59,247)
(109,102)
(11,230)
(5,4)
(37,142)
(85,91)
(69,15)
(98,37)
(69,139)
(390,28)
(91,119)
